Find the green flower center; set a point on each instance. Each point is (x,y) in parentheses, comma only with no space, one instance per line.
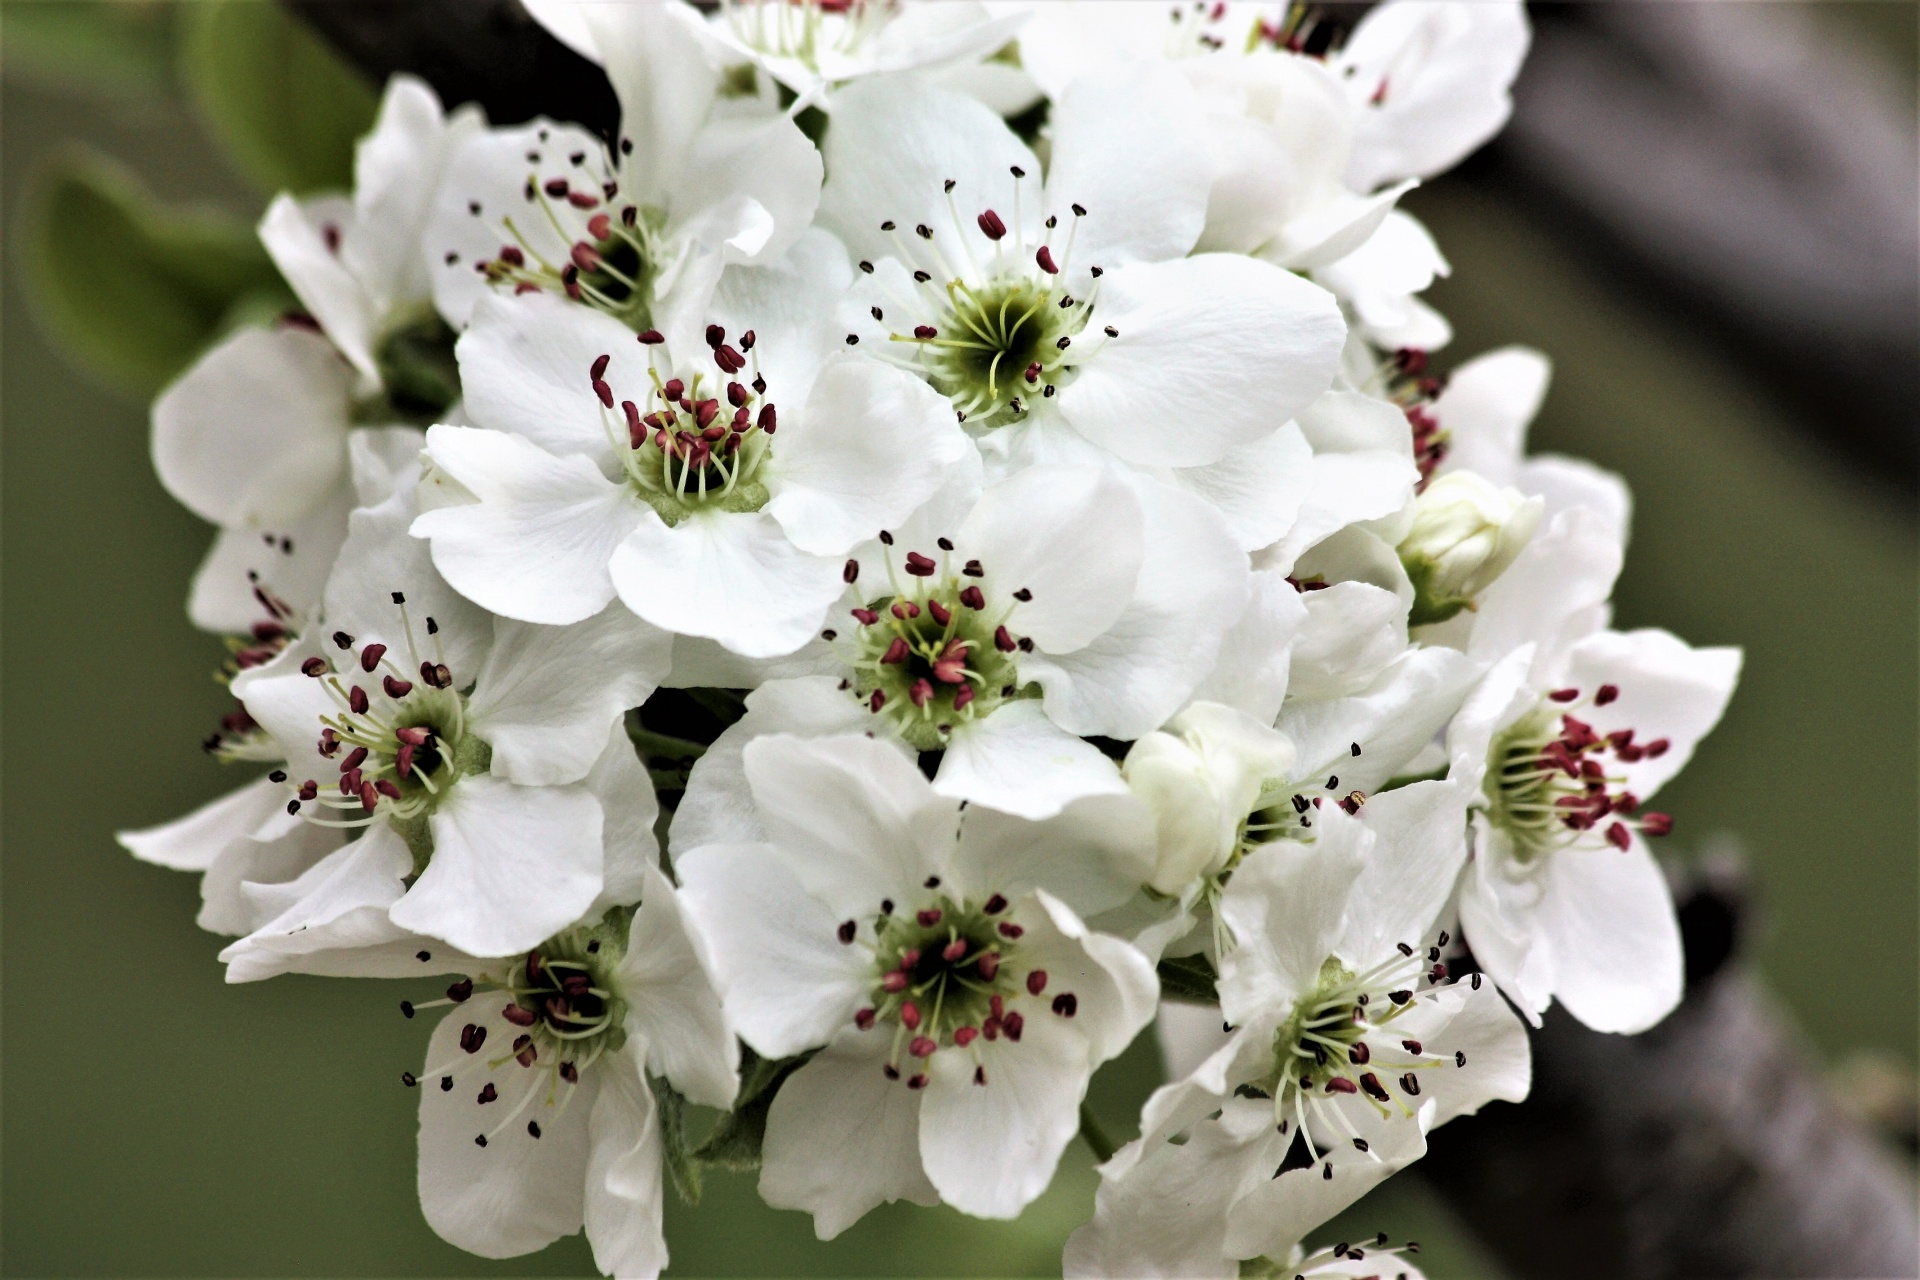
(996,346)
(418,375)
(933,655)
(1549,781)
(565,996)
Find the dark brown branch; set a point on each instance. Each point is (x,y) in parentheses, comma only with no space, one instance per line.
(1711,1146)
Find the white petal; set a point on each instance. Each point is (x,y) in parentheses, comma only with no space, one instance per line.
(526,365)
(991,1148)
(751,188)
(734,578)
(1069,38)
(1668,689)
(1353,630)
(1502,906)
(1419,849)
(1251,671)
(1188,1034)
(289,561)
(396,175)
(511,866)
(871,444)
(1390,720)
(1214,352)
(1113,982)
(1499,1058)
(699,663)
(255,433)
(1020,762)
(1093,854)
(296,238)
(717,806)
(788,303)
(1167,1216)
(1608,916)
(673,1004)
(518,1193)
(788,982)
(1259,487)
(1277,1212)
(537,544)
(193,842)
(1070,537)
(842,1138)
(546,695)
(289,708)
(629,811)
(1547,595)
(1486,408)
(231,898)
(1284,904)
(659,61)
(332,919)
(1141,669)
(624,1193)
(852,817)
(384,460)
(1124,150)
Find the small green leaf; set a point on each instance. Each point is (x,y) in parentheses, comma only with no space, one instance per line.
(285,107)
(1188,979)
(673,1133)
(735,1142)
(131,289)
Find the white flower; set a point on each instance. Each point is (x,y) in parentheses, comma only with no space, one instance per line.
(1429,83)
(537,1111)
(1070,302)
(961,1003)
(1200,777)
(1481,418)
(1563,744)
(1378,282)
(700,180)
(720,498)
(359,266)
(1465,533)
(1099,592)
(482,757)
(1348,1046)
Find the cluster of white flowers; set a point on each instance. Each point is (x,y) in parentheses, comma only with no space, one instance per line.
(1010,427)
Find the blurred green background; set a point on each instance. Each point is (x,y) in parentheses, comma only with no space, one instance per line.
(157,1122)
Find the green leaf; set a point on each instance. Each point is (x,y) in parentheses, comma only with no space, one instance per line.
(112,52)
(286,108)
(735,1142)
(673,1133)
(1188,979)
(133,290)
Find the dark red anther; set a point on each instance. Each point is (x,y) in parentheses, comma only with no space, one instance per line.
(896,652)
(964,1036)
(369,797)
(1564,695)
(1375,1090)
(954,951)
(991,1027)
(599,226)
(1003,640)
(928,917)
(353,759)
(987,965)
(849,573)
(715,336)
(651,338)
(1032,374)
(315,667)
(396,688)
(865,617)
(413,735)
(1656,824)
(357,700)
(511,255)
(1359,1054)
(1617,836)
(910,1015)
(525,1052)
(920,566)
(460,991)
(1009,930)
(584,256)
(729,360)
(604,392)
(472,1036)
(387,789)
(599,367)
(921,1047)
(570,1073)
(894,981)
(846,932)
(1605,693)
(674,389)
(309,789)
(864,1019)
(920,693)
(737,395)
(1044,256)
(904,610)
(877,701)
(705,411)
(925,332)
(370,656)
(1012,1024)
(1657,748)
(991,226)
(583,200)
(1340,1084)
(1036,982)
(1066,1004)
(768,419)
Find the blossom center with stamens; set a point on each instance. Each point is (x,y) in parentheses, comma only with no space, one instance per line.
(933,656)
(695,445)
(565,996)
(1548,779)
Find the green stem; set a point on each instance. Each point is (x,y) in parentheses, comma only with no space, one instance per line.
(1094,1135)
(664,746)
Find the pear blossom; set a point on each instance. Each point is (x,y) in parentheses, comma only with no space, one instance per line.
(697,180)
(537,1109)
(1065,602)
(1464,534)
(1349,1044)
(478,758)
(683,501)
(1069,300)
(937,963)
(359,266)
(1563,744)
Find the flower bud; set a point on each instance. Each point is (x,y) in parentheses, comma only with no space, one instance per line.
(1465,534)
(1200,777)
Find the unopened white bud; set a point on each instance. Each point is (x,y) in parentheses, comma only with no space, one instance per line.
(1199,777)
(1465,534)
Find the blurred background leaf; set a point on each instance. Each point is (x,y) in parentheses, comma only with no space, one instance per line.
(286,109)
(132,289)
(119,50)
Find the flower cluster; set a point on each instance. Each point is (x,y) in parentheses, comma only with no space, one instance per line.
(937,544)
